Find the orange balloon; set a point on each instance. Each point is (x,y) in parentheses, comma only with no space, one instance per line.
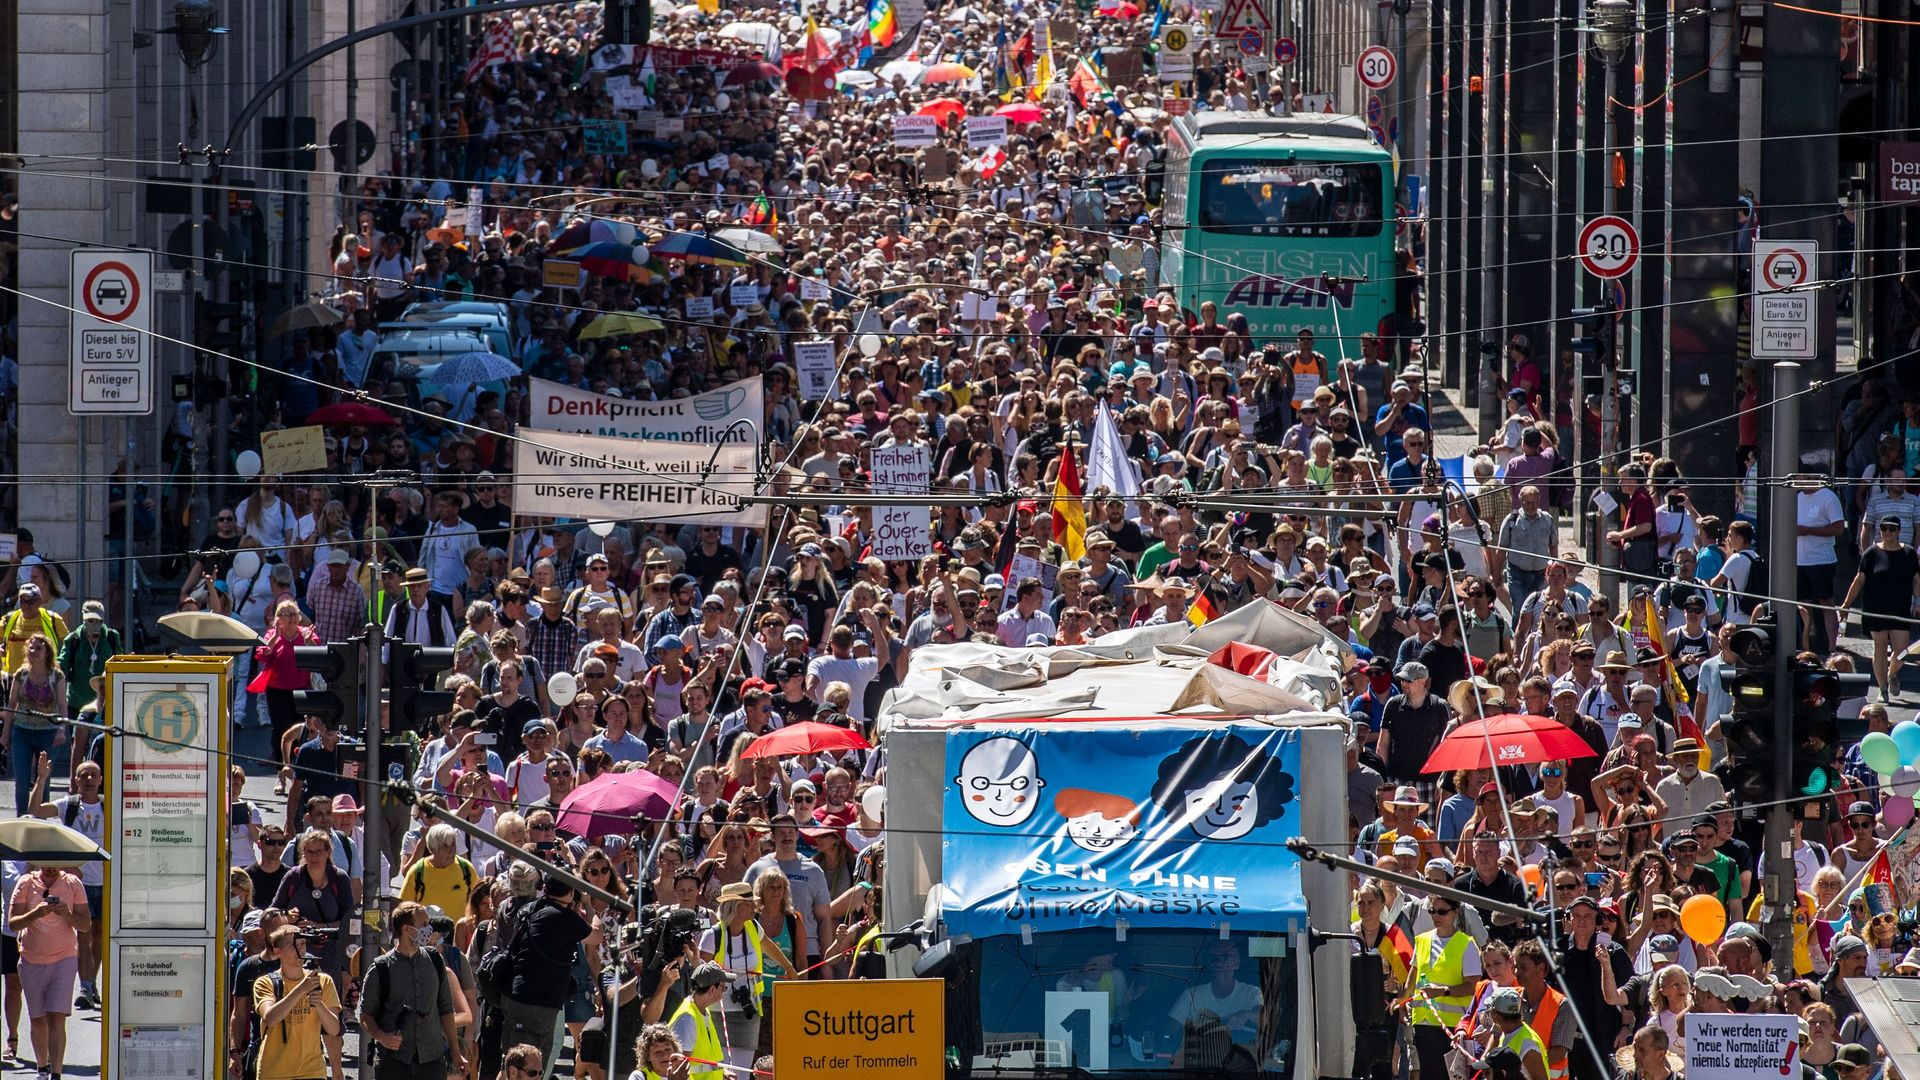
(1704,919)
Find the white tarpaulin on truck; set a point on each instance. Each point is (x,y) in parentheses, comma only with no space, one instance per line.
(1146,671)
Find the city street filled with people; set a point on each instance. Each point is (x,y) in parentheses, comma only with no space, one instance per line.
(961,415)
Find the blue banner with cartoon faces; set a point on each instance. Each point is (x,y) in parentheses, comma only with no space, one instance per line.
(1066,828)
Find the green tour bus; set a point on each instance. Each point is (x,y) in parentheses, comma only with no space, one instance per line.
(1287,220)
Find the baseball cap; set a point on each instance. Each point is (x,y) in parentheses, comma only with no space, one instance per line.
(338,557)
(1413,669)
(1663,948)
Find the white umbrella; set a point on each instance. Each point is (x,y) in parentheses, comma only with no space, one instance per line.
(664,8)
(830,37)
(762,34)
(750,240)
(856,77)
(910,70)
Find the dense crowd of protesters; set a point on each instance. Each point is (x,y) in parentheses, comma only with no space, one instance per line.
(671,649)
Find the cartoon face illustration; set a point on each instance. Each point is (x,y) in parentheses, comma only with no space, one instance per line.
(1000,781)
(1221,788)
(1096,821)
(1223,810)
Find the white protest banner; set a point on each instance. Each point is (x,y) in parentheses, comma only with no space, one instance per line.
(813,362)
(743,294)
(985,131)
(476,213)
(574,476)
(1730,1046)
(910,131)
(699,307)
(703,418)
(900,532)
(812,289)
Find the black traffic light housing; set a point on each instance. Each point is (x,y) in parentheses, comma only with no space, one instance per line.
(1750,728)
(1817,694)
(339,664)
(412,671)
(1594,333)
(626,22)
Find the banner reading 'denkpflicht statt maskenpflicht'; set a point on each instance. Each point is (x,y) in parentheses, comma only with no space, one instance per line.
(712,417)
(1180,827)
(557,474)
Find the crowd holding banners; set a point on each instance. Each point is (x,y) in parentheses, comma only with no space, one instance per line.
(1097,457)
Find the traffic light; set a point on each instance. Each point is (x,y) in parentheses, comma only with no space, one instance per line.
(412,672)
(1749,729)
(1817,694)
(339,664)
(626,22)
(1594,337)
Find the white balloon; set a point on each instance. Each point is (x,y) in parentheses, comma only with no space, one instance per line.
(246,563)
(795,22)
(1906,781)
(723,101)
(562,687)
(869,345)
(248,463)
(874,802)
(600,528)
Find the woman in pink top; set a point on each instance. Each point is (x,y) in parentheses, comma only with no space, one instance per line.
(49,913)
(279,678)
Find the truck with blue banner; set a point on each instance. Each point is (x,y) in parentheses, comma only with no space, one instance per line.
(1095,855)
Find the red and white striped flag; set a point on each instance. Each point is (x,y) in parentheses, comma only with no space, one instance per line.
(497,48)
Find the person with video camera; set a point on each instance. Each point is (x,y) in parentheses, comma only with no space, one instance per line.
(737,945)
(407,1005)
(298,1007)
(542,955)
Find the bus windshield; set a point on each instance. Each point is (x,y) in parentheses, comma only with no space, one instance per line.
(1281,197)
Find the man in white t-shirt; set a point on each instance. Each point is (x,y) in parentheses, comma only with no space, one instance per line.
(1234,1003)
(444,549)
(1821,520)
(839,664)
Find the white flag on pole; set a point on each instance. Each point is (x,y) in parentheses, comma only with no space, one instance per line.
(1107,462)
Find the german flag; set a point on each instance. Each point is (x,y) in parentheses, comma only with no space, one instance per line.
(1208,604)
(1069,511)
(1397,950)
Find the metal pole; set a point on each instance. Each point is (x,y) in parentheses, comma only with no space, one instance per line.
(371,845)
(1610,369)
(349,184)
(127,560)
(531,858)
(1780,514)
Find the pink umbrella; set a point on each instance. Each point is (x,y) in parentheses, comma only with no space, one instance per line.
(1022,112)
(608,803)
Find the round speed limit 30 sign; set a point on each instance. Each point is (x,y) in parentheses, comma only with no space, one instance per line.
(1608,246)
(1376,67)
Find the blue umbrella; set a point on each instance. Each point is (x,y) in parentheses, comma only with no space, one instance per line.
(469,369)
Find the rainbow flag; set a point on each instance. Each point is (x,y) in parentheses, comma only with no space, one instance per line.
(880,23)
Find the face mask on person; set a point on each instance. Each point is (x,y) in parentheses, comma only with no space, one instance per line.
(423,936)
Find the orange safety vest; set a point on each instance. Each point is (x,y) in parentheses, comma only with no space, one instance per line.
(1542,1021)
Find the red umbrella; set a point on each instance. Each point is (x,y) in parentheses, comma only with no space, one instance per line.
(1022,112)
(757,71)
(608,803)
(1517,739)
(945,109)
(805,738)
(347,413)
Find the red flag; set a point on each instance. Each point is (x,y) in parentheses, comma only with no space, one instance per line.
(496,48)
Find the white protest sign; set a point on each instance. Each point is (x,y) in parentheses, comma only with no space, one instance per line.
(813,362)
(812,289)
(979,307)
(985,131)
(743,294)
(1730,1046)
(571,476)
(476,214)
(900,532)
(703,418)
(911,131)
(699,307)
(1175,67)
(1022,567)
